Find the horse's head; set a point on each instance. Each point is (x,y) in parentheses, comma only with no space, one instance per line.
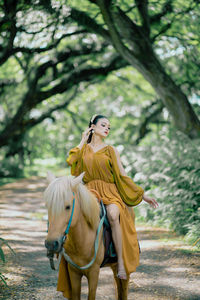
(60,200)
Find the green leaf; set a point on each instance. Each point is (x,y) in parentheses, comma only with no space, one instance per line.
(2,256)
(2,279)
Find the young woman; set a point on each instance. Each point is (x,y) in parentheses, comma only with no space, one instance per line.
(105,174)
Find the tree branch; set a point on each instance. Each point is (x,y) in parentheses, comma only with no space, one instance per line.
(90,24)
(162,30)
(130,9)
(34,121)
(10,50)
(166,9)
(176,16)
(86,74)
(18,123)
(51,46)
(10,12)
(109,17)
(61,57)
(142,7)
(150,117)
(7,82)
(74,117)
(22,29)
(35,96)
(131,32)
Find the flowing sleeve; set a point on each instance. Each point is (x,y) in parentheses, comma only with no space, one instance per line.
(130,193)
(74,160)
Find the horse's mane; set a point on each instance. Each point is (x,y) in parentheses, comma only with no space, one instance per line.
(59,194)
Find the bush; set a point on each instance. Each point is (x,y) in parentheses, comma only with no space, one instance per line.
(170,169)
(193,235)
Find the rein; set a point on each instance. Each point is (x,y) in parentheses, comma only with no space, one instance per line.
(96,246)
(96,243)
(70,220)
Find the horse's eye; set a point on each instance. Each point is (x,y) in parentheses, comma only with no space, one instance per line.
(67,207)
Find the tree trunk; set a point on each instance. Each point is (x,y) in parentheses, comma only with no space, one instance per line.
(173,98)
(138,51)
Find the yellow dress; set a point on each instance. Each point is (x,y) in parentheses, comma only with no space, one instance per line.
(103,175)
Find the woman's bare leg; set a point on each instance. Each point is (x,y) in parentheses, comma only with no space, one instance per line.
(113,216)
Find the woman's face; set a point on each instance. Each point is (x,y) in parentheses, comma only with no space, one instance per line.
(102,127)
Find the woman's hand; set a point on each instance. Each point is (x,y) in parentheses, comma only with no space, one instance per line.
(152,202)
(85,135)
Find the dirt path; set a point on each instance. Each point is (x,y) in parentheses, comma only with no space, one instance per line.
(165,272)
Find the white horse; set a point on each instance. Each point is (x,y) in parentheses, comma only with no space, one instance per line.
(71,204)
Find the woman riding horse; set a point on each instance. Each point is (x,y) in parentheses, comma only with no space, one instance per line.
(105,174)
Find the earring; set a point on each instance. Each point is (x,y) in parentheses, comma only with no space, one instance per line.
(92,130)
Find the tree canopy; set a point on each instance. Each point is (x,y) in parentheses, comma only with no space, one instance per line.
(51,47)
(135,61)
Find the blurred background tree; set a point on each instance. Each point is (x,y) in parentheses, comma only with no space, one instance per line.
(136,62)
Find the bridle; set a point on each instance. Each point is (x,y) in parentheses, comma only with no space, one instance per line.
(70,221)
(62,239)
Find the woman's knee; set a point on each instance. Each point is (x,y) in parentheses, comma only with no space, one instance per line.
(113,214)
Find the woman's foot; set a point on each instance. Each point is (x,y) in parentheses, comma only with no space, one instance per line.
(122,273)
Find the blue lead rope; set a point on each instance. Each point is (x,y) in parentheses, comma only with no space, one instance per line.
(96,246)
(70,220)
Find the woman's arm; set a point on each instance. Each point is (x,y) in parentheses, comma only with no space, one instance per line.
(80,146)
(150,201)
(85,135)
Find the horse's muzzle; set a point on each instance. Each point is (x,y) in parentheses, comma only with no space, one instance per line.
(53,246)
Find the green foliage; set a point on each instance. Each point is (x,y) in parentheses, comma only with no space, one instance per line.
(2,257)
(193,235)
(11,167)
(169,167)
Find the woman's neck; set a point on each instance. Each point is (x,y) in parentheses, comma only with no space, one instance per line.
(96,141)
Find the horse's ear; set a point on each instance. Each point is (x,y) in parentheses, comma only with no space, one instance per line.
(50,176)
(75,181)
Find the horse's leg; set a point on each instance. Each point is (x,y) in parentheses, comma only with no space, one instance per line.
(75,278)
(118,288)
(93,277)
(122,285)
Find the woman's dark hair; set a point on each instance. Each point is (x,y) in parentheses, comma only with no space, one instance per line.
(94,121)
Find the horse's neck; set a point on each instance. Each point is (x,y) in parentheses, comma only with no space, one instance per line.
(81,236)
